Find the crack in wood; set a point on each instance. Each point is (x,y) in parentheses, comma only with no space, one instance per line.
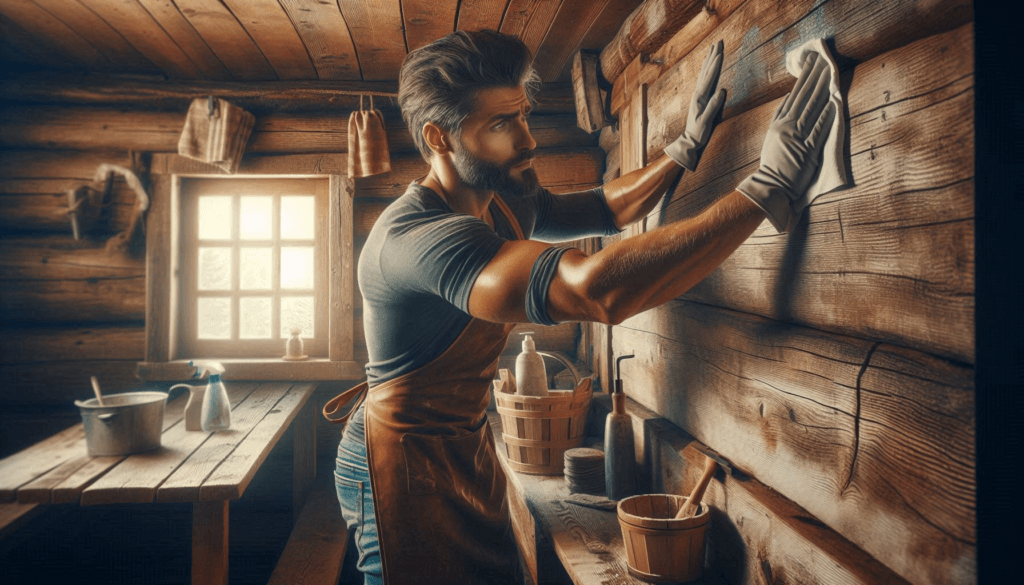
(856,418)
(925,519)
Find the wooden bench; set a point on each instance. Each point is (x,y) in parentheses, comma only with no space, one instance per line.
(315,550)
(14,515)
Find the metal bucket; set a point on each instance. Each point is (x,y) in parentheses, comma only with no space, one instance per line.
(127,423)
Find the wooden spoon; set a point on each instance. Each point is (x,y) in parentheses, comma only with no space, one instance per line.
(691,505)
(96,389)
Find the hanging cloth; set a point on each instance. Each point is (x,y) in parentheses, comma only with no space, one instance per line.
(367,143)
(215,132)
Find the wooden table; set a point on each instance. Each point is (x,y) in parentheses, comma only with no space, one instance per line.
(206,469)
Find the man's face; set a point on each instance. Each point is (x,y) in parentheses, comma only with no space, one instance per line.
(495,149)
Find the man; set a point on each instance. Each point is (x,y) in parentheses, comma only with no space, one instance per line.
(449,268)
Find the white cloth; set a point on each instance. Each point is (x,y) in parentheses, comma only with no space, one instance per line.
(833,173)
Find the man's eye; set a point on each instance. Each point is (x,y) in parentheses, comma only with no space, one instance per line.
(500,125)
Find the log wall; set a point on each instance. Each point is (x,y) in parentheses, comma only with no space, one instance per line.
(69,310)
(833,365)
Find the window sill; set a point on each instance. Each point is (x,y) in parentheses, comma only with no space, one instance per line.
(257,370)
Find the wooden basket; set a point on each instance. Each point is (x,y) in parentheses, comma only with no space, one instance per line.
(660,548)
(539,430)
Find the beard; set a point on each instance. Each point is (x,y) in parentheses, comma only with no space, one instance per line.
(487,176)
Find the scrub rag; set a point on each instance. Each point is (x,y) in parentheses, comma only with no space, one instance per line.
(833,173)
(367,143)
(215,132)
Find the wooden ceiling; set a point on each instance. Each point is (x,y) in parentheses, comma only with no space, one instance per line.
(251,40)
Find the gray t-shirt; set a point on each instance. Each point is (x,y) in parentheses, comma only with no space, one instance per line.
(421,259)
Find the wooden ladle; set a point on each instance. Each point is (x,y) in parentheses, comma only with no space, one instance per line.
(96,389)
(691,505)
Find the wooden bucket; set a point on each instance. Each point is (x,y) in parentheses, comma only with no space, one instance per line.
(660,548)
(539,430)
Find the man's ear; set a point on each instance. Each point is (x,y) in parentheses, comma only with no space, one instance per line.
(437,139)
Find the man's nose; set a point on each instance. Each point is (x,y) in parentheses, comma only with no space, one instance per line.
(524,139)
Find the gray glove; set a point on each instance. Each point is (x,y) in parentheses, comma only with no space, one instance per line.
(791,155)
(703,108)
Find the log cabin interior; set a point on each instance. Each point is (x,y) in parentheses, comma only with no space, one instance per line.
(831,371)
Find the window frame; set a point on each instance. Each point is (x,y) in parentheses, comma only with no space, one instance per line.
(163,270)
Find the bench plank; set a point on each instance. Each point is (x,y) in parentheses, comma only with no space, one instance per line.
(14,515)
(316,548)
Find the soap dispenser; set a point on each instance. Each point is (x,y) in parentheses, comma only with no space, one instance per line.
(531,376)
(216,412)
(619,456)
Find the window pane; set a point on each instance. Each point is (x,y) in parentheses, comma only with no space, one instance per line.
(256,218)
(214,315)
(214,268)
(254,318)
(297,218)
(297,267)
(215,217)
(297,312)
(255,268)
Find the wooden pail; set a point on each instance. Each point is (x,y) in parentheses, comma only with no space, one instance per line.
(539,430)
(660,548)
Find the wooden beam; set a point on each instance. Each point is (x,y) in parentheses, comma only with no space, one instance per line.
(170,18)
(377,30)
(227,39)
(427,20)
(54,32)
(874,440)
(98,33)
(481,14)
(325,34)
(860,32)
(530,21)
(269,26)
(573,22)
(646,29)
(903,233)
(590,108)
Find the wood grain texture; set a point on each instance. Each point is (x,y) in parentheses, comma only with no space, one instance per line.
(54,32)
(911,144)
(98,33)
(573,21)
(644,30)
(210,543)
(648,68)
(15,515)
(325,34)
(758,35)
(316,548)
(22,48)
(427,20)
(170,18)
(530,20)
(28,464)
(227,39)
(342,268)
(481,14)
(59,383)
(269,26)
(377,31)
(137,26)
(756,534)
(875,440)
(68,343)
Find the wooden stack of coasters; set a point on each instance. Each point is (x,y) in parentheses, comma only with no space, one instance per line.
(584,471)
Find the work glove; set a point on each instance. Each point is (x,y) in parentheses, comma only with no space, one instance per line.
(704,106)
(791,155)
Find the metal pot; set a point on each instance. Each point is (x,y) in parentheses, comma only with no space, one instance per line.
(127,423)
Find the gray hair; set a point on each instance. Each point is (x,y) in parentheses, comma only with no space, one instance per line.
(439,82)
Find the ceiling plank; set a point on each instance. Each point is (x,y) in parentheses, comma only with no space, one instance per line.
(604,29)
(530,20)
(227,39)
(20,48)
(325,34)
(268,24)
(377,30)
(129,18)
(171,20)
(50,29)
(570,25)
(427,20)
(481,14)
(99,34)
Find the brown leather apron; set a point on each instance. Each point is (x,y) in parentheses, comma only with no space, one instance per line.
(438,488)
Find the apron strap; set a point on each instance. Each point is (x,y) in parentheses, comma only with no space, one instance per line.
(338,402)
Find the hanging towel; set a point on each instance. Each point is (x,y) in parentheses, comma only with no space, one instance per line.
(215,132)
(367,143)
(833,172)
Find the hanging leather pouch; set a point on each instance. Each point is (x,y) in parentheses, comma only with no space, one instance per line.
(367,143)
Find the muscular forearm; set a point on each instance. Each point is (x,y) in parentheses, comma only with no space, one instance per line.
(633,195)
(648,270)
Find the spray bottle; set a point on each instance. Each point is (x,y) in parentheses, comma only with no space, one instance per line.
(531,375)
(216,412)
(619,456)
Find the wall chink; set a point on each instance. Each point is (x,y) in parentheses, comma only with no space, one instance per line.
(834,365)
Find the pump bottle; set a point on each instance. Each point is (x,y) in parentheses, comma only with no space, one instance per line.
(216,412)
(619,456)
(531,375)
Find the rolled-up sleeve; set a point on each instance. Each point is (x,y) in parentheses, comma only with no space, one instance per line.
(571,216)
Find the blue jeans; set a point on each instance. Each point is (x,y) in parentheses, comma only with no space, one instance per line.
(352,480)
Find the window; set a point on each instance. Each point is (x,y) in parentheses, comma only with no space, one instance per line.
(253,266)
(234,262)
